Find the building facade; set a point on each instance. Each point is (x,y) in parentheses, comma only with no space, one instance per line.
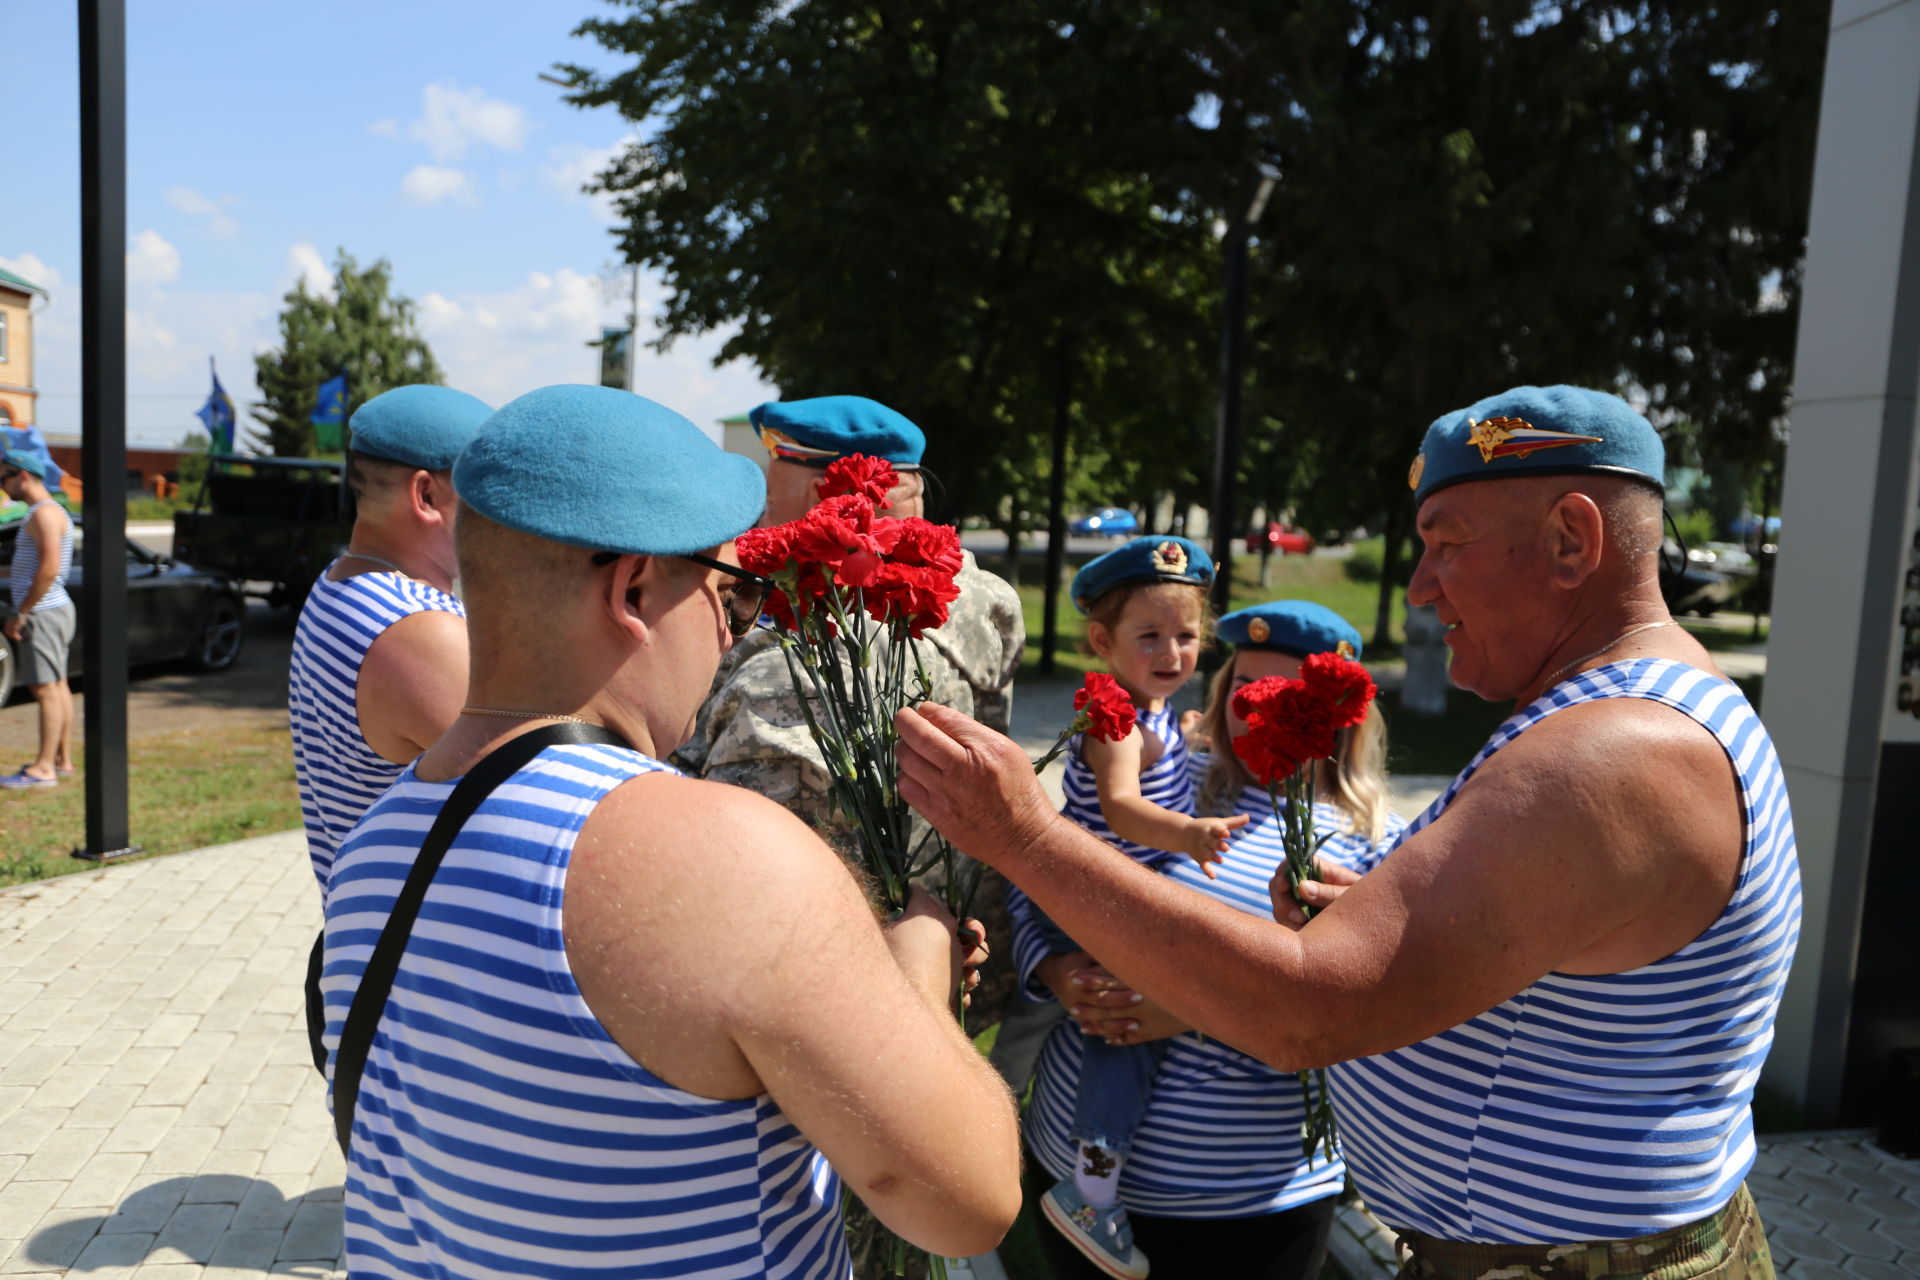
(17,392)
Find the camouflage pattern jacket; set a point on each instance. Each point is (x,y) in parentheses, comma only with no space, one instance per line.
(751,731)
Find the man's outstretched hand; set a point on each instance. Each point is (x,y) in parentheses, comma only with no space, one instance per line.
(975,786)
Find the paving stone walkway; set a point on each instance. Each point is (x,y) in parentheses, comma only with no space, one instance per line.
(1836,1207)
(159,1115)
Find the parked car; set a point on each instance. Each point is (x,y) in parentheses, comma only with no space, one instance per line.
(174,611)
(1693,587)
(1107,522)
(1280,539)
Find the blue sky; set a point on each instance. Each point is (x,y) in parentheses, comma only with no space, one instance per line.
(261,137)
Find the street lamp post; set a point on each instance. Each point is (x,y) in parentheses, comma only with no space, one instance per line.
(1233,338)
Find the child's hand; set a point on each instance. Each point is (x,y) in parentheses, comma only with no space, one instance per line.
(1207,839)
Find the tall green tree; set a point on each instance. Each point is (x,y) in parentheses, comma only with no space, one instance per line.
(943,203)
(365,330)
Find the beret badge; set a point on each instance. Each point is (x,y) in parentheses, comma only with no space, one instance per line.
(1516,438)
(782,445)
(1170,558)
(1418,469)
(1258,631)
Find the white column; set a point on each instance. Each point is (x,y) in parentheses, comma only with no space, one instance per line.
(1845,513)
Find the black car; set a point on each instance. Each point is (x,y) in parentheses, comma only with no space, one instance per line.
(174,611)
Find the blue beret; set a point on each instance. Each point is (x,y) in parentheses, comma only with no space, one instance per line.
(422,426)
(1538,431)
(1298,627)
(28,463)
(608,470)
(1162,559)
(819,430)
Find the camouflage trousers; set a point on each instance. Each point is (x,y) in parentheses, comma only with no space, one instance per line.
(1728,1245)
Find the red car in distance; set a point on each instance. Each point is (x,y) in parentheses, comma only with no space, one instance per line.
(1280,539)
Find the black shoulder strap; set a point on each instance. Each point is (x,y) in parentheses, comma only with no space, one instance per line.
(376,983)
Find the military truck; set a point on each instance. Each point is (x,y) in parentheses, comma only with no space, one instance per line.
(273,523)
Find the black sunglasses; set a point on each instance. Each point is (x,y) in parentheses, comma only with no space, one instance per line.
(742,599)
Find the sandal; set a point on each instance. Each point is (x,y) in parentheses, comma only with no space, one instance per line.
(22,780)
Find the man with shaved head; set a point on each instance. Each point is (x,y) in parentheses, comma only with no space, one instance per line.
(1547,1009)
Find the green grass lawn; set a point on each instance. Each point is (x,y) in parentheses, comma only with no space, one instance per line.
(185,791)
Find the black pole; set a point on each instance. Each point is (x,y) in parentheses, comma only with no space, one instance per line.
(1056,514)
(103,418)
(1226,438)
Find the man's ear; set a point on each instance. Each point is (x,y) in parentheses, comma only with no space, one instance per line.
(628,580)
(423,495)
(1576,532)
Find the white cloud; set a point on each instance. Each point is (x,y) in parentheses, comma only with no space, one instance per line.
(151,260)
(34,269)
(384,128)
(501,345)
(571,166)
(194,204)
(453,119)
(430,184)
(305,263)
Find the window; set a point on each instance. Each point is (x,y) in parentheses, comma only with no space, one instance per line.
(3,337)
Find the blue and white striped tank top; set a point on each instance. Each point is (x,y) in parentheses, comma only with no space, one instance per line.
(1164,782)
(26,561)
(1595,1107)
(1221,1134)
(338,774)
(500,1131)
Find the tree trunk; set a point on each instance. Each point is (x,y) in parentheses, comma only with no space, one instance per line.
(1010,570)
(1395,534)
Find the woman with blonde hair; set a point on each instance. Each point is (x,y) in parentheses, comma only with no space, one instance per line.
(1350,789)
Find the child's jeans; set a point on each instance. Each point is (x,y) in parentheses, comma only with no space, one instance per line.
(1116,1081)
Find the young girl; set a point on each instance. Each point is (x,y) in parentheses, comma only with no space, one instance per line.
(1146,605)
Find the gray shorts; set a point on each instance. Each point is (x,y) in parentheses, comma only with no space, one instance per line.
(43,654)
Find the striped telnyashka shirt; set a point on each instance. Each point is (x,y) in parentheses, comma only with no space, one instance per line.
(1221,1134)
(338,774)
(26,561)
(500,1131)
(1595,1107)
(1165,782)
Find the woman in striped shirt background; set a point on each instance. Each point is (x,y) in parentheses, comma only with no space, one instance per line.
(1216,1184)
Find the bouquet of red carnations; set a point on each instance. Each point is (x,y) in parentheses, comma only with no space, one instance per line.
(1290,724)
(854,592)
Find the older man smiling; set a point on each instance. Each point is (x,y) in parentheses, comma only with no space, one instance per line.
(1549,1006)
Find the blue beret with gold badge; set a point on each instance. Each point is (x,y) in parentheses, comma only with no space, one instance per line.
(421,426)
(815,432)
(1538,431)
(1297,627)
(1149,559)
(608,470)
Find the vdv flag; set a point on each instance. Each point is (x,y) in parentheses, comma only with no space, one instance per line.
(217,415)
(330,411)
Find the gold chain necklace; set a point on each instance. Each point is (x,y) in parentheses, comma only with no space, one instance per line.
(1614,643)
(525,715)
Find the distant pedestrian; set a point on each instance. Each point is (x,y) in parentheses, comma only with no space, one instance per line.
(380,653)
(42,622)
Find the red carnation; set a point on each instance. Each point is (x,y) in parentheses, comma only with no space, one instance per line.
(1343,683)
(914,578)
(1288,722)
(1108,710)
(860,476)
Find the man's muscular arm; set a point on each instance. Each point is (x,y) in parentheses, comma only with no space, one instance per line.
(412,684)
(728,951)
(1609,835)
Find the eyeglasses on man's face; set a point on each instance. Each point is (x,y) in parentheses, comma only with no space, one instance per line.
(743,598)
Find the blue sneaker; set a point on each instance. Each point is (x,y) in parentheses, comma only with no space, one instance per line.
(1104,1235)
